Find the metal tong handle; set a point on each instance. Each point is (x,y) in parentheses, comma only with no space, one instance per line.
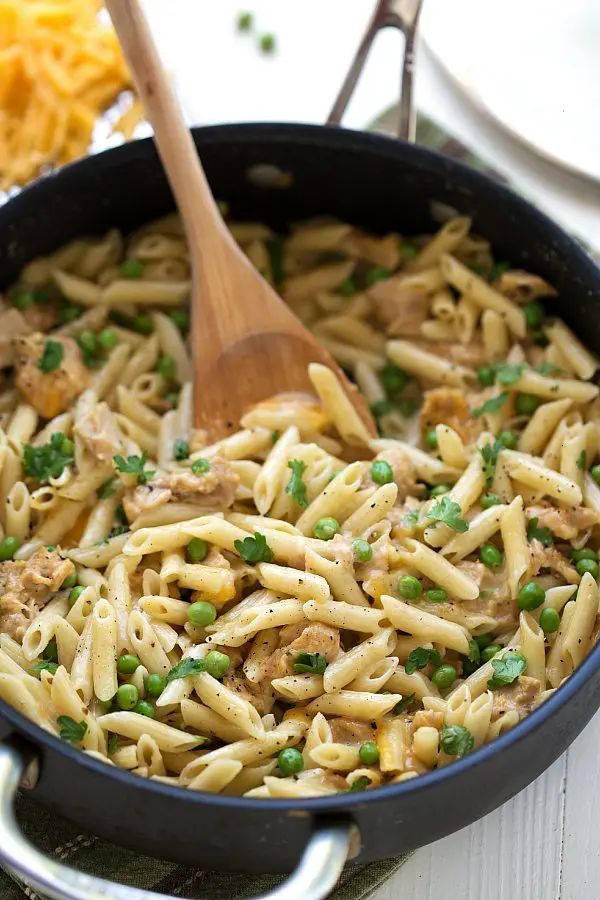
(401,14)
(314,877)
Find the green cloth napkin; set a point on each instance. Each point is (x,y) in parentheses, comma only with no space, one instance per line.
(84,851)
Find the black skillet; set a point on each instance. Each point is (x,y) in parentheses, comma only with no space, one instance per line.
(381,184)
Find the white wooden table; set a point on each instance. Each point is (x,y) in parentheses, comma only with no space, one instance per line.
(543,844)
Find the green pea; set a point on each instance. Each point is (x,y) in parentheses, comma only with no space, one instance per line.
(486,376)
(197,550)
(50,652)
(369,753)
(584,553)
(508,439)
(489,500)
(143,708)
(108,339)
(489,652)
(155,685)
(23,299)
(217,664)
(375,274)
(595,473)
(267,43)
(439,489)
(290,761)
(526,404)
(127,664)
(437,595)
(70,581)
(409,587)
(431,440)
(202,613)
(8,548)
(549,620)
(393,378)
(326,528)
(87,341)
(362,550)
(534,314)
(75,593)
(131,268)
(127,696)
(444,676)
(244,21)
(166,367)
(587,565)
(381,472)
(180,318)
(531,595)
(143,323)
(490,556)
(483,640)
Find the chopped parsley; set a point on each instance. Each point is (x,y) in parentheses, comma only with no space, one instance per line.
(254,549)
(489,455)
(548,368)
(498,270)
(543,535)
(51,357)
(113,743)
(456,740)
(449,512)
(295,486)
(411,518)
(134,465)
(107,489)
(420,657)
(311,663)
(186,667)
(507,669)
(70,730)
(200,466)
(359,784)
(509,373)
(49,460)
(581,460)
(44,664)
(181,449)
(403,704)
(491,405)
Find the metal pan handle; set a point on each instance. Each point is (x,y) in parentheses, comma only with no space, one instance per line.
(401,14)
(313,878)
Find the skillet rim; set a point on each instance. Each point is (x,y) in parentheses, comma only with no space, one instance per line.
(579,260)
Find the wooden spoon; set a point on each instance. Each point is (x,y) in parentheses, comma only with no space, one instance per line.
(246,344)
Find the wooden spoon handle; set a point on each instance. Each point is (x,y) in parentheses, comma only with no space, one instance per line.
(172,136)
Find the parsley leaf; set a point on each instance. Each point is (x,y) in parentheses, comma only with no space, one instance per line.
(313,663)
(474,653)
(491,405)
(70,730)
(498,270)
(295,486)
(411,518)
(449,512)
(254,549)
(359,784)
(107,489)
(113,743)
(48,664)
(134,465)
(403,704)
(581,460)
(489,454)
(186,667)
(420,657)
(181,449)
(509,373)
(49,460)
(200,466)
(543,535)
(548,368)
(456,740)
(52,357)
(507,669)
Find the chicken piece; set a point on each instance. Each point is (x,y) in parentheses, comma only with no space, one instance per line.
(448,406)
(521,695)
(427,717)
(143,498)
(566,522)
(100,433)
(13,324)
(400,308)
(50,393)
(494,596)
(471,355)
(261,696)
(550,558)
(523,286)
(42,316)
(313,638)
(405,475)
(213,489)
(27,585)
(351,731)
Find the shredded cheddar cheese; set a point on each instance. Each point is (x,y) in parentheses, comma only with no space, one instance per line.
(61,67)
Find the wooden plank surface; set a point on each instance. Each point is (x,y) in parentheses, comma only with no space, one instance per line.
(541,845)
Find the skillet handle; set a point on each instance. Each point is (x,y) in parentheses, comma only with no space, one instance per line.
(401,14)
(314,877)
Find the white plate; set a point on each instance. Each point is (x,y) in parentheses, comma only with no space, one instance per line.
(534,65)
